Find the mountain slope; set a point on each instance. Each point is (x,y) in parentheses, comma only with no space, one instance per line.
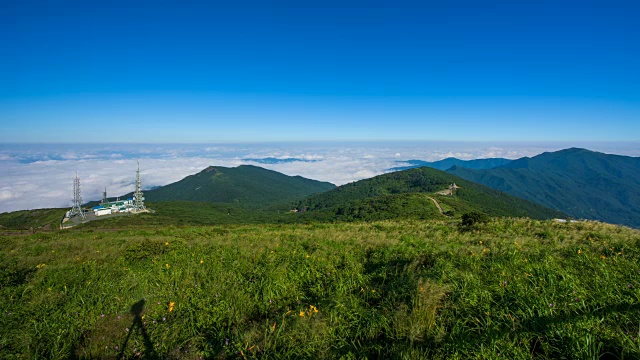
(245,185)
(582,183)
(447,163)
(400,194)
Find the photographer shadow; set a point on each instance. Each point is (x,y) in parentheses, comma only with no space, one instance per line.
(136,311)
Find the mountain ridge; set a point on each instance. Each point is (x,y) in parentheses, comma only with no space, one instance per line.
(414,189)
(583,183)
(447,163)
(244,185)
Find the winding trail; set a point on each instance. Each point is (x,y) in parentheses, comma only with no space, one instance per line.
(438,205)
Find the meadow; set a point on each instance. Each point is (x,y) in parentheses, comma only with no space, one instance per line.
(406,289)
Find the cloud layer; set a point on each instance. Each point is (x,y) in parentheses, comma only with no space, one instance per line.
(40,176)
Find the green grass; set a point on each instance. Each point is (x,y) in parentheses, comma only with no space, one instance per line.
(515,289)
(26,219)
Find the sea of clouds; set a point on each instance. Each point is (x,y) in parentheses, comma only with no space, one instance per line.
(41,175)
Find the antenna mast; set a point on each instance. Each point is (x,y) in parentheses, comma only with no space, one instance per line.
(138,196)
(77,199)
(104,197)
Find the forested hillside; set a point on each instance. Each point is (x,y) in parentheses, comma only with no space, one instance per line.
(579,182)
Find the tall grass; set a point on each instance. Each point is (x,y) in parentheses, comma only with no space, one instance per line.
(512,288)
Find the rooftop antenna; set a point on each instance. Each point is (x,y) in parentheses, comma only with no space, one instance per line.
(77,199)
(138,196)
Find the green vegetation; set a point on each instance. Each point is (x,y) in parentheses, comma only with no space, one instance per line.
(579,182)
(511,288)
(26,219)
(245,185)
(401,195)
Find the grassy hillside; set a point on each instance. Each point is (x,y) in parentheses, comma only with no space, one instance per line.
(582,183)
(245,185)
(27,219)
(388,194)
(514,289)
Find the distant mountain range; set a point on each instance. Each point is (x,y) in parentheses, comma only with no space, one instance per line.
(245,185)
(575,182)
(411,194)
(582,183)
(447,163)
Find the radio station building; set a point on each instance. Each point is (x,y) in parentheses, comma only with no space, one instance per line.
(112,207)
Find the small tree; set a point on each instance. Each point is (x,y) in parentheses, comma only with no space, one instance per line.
(472,220)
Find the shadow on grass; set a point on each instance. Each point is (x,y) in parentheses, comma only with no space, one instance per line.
(541,325)
(136,311)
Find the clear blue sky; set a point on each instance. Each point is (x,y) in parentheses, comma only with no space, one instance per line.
(183,71)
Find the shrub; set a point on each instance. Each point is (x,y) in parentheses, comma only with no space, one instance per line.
(472,220)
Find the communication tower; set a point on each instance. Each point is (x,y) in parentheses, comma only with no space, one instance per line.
(77,199)
(104,198)
(138,196)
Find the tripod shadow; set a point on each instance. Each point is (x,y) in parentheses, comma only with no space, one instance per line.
(136,311)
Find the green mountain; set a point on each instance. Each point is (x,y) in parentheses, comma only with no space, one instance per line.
(411,194)
(582,183)
(447,163)
(245,185)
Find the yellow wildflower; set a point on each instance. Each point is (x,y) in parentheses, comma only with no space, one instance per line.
(171,304)
(40,266)
(313,308)
(201,261)
(301,313)
(307,256)
(166,243)
(579,251)
(603,257)
(167,265)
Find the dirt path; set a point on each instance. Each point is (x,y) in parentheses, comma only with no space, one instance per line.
(438,205)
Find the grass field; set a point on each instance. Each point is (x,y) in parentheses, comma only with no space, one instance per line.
(512,288)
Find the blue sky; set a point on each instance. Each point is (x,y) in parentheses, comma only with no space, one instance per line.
(78,71)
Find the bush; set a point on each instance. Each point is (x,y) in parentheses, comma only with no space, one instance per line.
(472,220)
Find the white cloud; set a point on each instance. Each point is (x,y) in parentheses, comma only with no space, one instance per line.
(41,176)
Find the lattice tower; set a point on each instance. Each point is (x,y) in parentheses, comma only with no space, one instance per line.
(138,196)
(77,198)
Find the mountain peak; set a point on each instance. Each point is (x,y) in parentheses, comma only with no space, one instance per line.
(245,185)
